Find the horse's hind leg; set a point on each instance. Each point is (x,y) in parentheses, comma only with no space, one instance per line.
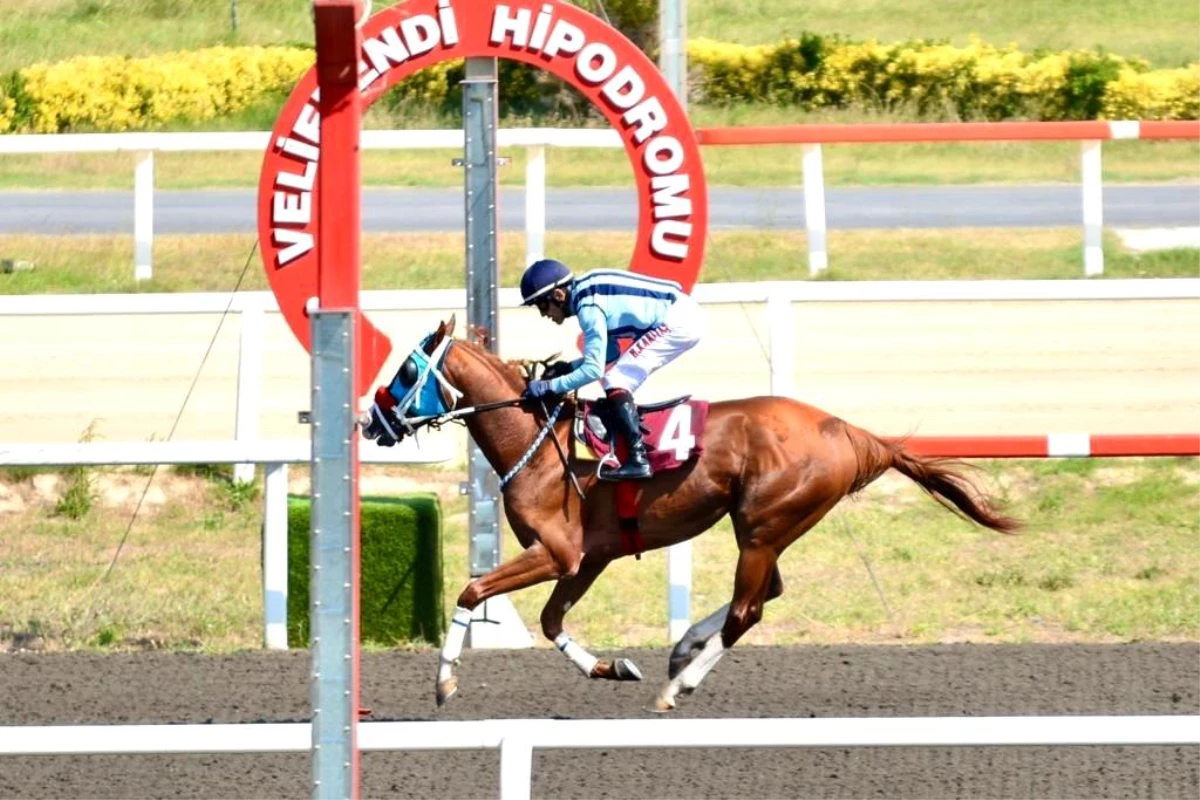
(566,594)
(697,636)
(753,580)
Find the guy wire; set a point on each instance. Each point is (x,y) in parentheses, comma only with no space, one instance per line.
(174,425)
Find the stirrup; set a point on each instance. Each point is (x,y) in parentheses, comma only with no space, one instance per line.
(635,472)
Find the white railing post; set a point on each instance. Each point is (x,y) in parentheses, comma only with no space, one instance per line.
(814,209)
(779,334)
(249,384)
(535,203)
(275,546)
(1093,208)
(516,765)
(679,590)
(143,216)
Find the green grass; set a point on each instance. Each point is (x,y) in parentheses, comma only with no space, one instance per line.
(53,30)
(99,264)
(1108,554)
(189,573)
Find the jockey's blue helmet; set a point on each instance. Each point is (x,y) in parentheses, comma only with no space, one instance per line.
(541,278)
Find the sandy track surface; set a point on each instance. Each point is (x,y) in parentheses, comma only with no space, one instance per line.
(896,368)
(948,680)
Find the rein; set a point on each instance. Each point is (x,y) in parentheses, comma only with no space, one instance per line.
(537,442)
(436,421)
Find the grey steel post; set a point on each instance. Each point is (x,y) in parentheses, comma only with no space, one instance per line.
(479,157)
(331,567)
(672,46)
(672,62)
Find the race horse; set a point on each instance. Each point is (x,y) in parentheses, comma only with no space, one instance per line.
(774,465)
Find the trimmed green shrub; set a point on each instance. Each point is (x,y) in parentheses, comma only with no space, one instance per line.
(401,570)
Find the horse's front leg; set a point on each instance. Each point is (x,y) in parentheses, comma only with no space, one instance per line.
(531,566)
(566,594)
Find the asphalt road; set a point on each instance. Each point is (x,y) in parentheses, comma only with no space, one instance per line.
(413,210)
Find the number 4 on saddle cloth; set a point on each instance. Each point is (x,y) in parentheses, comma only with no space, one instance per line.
(673,432)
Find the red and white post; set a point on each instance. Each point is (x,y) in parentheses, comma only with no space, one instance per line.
(336,336)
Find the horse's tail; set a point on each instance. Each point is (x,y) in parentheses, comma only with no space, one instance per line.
(941,478)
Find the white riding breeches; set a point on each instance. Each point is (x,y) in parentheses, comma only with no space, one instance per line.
(679,332)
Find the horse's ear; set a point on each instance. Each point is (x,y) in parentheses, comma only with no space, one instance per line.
(444,329)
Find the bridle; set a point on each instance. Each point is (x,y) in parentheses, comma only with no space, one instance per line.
(431,365)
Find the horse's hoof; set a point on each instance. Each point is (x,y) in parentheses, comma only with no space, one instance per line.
(445,690)
(663,704)
(626,670)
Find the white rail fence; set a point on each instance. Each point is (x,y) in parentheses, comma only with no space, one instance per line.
(274,455)
(779,296)
(516,739)
(143,146)
(246,450)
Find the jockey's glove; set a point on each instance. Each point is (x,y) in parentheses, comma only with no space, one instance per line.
(537,388)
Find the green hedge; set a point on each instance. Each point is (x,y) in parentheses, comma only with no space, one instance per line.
(931,80)
(401,570)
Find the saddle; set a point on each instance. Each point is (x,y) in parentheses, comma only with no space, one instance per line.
(673,430)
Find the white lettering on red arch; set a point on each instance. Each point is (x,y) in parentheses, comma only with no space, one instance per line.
(614,75)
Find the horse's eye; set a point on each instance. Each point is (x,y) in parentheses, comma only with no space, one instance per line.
(408,372)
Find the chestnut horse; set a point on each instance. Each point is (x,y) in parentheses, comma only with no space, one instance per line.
(774,465)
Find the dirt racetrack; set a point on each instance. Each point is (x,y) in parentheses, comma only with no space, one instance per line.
(845,681)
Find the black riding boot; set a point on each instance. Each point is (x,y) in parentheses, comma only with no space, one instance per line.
(635,467)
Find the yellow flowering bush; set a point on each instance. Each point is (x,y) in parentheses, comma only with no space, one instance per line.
(1162,94)
(426,88)
(118,94)
(938,80)
(8,110)
(934,80)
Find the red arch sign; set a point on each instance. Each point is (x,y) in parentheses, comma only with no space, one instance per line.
(579,48)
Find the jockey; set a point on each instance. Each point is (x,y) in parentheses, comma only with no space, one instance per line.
(662,319)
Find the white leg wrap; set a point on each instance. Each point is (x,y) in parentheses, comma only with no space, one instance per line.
(693,673)
(579,657)
(452,648)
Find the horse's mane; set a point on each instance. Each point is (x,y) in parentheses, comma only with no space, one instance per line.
(515,371)
(477,341)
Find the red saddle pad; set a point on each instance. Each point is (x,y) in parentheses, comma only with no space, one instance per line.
(675,435)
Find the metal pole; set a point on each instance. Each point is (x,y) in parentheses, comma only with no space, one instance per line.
(336,326)
(672,61)
(249,385)
(479,127)
(331,557)
(672,54)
